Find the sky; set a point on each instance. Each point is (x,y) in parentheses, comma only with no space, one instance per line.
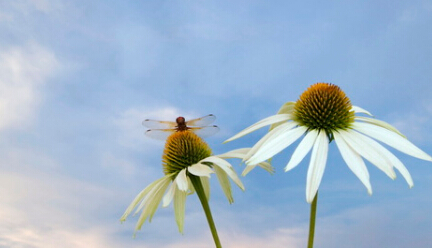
(77,78)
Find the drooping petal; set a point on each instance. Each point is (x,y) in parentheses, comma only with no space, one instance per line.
(262,123)
(241,154)
(169,195)
(266,166)
(143,193)
(237,153)
(397,164)
(392,139)
(302,149)
(378,123)
(225,183)
(179,207)
(200,170)
(357,109)
(354,161)
(148,197)
(224,165)
(367,148)
(248,169)
(191,188)
(206,185)
(316,165)
(394,161)
(276,144)
(182,181)
(270,135)
(152,202)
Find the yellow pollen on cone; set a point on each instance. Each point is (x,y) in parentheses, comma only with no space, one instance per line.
(324,106)
(183,149)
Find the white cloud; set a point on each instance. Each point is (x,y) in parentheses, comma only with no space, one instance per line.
(40,207)
(49,210)
(23,72)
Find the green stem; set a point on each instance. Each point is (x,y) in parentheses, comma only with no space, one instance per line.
(312,221)
(196,182)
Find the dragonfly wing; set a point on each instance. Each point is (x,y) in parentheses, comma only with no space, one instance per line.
(205,131)
(160,134)
(203,121)
(159,124)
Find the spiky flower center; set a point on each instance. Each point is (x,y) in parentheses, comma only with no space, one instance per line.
(183,149)
(324,106)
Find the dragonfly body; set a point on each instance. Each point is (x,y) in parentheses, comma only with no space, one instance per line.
(162,129)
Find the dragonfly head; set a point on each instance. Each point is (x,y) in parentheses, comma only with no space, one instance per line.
(181,124)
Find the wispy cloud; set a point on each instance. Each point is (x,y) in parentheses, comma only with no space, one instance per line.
(24,70)
(42,207)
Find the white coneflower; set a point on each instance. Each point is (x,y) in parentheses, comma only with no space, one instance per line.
(187,164)
(324,113)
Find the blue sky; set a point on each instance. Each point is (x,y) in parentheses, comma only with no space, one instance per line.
(78,77)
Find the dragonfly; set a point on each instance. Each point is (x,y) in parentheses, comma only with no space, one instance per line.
(162,129)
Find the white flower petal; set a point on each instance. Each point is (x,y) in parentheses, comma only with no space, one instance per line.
(369,149)
(354,161)
(200,169)
(237,153)
(270,135)
(398,165)
(266,166)
(224,182)
(393,160)
(156,199)
(169,195)
(378,123)
(276,144)
(216,160)
(392,139)
(302,149)
(151,194)
(139,198)
(262,123)
(191,188)
(206,185)
(286,108)
(357,109)
(316,165)
(152,202)
(179,207)
(181,180)
(224,165)
(248,169)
